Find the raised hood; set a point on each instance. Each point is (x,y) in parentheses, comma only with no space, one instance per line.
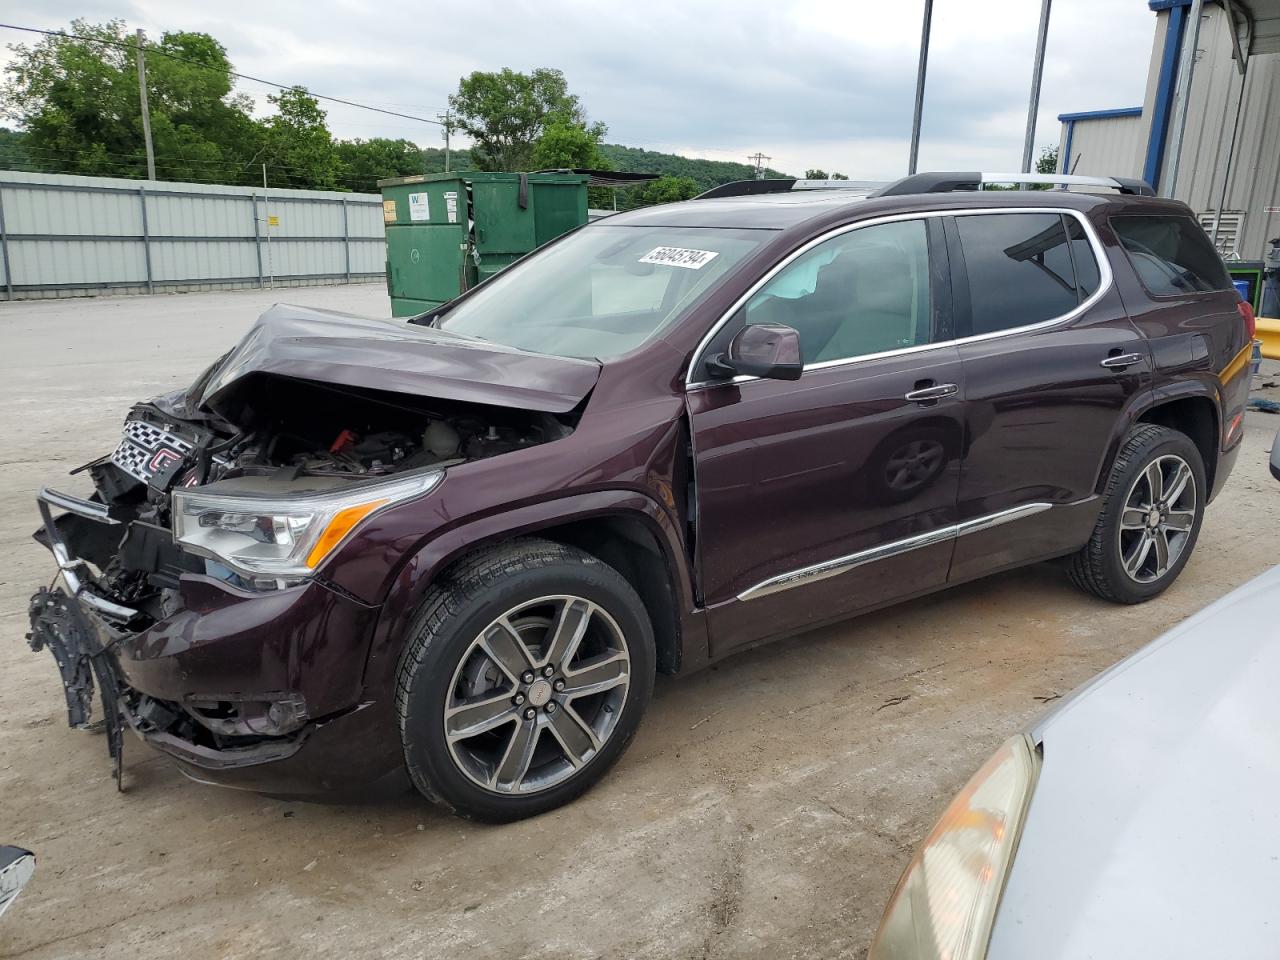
(341,348)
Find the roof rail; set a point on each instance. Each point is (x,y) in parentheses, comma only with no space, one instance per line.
(747,188)
(949,182)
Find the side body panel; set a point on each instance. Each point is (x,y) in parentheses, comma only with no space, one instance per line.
(1041,413)
(1199,348)
(795,474)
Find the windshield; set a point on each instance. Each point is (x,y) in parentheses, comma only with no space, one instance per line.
(601,291)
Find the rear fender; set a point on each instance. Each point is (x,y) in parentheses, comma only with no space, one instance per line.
(1200,384)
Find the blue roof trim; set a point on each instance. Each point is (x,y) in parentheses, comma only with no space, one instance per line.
(1101,114)
(1158,5)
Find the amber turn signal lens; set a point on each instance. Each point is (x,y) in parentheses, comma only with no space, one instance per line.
(342,524)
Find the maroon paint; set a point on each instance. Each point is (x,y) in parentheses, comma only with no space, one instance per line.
(785,477)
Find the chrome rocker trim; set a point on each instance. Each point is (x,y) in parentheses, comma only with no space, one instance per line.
(833,568)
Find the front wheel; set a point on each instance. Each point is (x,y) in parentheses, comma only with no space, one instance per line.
(1152,509)
(526,676)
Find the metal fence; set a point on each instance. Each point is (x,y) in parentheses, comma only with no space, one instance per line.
(66,236)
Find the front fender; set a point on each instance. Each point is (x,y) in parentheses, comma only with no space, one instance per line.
(423,566)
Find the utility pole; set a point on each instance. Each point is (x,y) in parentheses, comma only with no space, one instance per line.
(921,70)
(1037,74)
(759,159)
(146,111)
(447,119)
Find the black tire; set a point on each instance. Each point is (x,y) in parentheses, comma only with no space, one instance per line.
(1099,567)
(467,600)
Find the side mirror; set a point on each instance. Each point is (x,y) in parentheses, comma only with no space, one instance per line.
(16,867)
(768,350)
(1275,456)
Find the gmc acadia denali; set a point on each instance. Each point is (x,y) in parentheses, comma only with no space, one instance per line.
(454,551)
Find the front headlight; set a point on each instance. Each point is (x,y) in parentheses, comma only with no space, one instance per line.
(945,903)
(282,536)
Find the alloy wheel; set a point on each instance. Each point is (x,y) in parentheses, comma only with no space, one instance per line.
(1158,518)
(536,695)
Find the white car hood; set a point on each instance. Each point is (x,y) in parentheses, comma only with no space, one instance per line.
(1154,830)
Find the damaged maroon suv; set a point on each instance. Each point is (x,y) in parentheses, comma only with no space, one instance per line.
(455,551)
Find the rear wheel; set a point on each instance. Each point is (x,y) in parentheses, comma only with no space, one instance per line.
(525,679)
(1153,506)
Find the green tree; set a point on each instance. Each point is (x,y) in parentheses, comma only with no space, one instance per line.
(815,174)
(662,190)
(364,162)
(565,145)
(459,160)
(13,149)
(705,173)
(297,148)
(506,113)
(77,101)
(838,176)
(1048,160)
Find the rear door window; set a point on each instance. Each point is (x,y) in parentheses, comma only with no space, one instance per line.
(1024,268)
(1171,255)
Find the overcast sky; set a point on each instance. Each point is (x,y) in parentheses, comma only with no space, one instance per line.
(819,83)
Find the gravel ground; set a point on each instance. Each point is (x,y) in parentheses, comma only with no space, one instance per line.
(765,809)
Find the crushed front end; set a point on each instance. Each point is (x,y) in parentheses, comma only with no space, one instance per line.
(219,669)
(194,596)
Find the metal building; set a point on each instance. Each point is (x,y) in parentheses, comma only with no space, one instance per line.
(1218,148)
(64,236)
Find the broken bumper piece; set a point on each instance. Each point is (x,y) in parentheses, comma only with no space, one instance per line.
(230,683)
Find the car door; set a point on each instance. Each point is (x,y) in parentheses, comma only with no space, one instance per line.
(835,492)
(1051,362)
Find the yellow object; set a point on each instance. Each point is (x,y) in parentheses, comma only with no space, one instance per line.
(339,527)
(273,221)
(1269,333)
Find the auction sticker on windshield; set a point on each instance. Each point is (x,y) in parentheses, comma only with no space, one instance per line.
(680,257)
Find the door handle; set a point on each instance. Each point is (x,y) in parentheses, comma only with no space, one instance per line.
(929,394)
(1122,361)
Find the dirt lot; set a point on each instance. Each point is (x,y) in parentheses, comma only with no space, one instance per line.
(765,809)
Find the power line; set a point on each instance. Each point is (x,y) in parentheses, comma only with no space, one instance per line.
(196,63)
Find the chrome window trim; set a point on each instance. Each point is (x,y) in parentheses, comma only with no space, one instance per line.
(833,568)
(1105,281)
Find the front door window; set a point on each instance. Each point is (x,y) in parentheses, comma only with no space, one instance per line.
(860,293)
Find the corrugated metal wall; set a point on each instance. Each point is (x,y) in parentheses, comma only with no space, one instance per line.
(1254,180)
(67,236)
(1110,146)
(1106,147)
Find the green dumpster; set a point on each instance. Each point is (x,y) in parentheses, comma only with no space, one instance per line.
(446,232)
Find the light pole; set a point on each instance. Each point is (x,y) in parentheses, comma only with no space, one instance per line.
(1037,74)
(921,70)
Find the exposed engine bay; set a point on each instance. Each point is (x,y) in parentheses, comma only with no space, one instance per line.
(286,432)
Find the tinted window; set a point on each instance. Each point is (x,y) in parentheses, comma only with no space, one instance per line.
(1086,264)
(1171,255)
(1020,269)
(863,292)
